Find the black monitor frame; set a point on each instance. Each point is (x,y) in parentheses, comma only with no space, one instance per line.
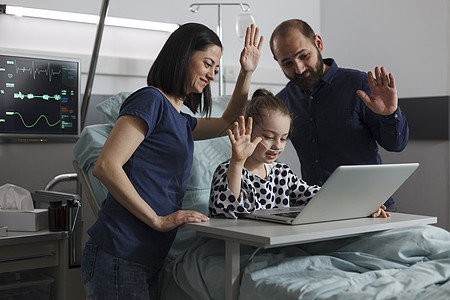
(39,98)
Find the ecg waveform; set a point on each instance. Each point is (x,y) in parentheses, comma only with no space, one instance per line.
(36,71)
(12,113)
(30,96)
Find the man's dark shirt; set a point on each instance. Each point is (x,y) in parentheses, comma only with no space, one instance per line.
(332,126)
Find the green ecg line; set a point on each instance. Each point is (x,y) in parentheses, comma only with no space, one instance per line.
(34,124)
(19,95)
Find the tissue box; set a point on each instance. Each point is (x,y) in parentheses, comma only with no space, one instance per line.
(24,220)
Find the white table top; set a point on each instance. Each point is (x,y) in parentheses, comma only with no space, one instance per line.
(267,234)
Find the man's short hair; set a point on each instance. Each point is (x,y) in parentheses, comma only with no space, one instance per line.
(286,26)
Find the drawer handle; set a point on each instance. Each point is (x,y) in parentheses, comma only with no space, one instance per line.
(13,259)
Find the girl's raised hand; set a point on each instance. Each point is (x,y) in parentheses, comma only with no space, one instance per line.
(241,144)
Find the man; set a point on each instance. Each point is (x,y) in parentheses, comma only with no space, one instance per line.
(340,116)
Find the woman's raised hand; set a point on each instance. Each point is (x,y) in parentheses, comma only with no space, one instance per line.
(252,49)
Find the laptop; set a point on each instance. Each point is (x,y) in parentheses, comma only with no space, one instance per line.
(350,192)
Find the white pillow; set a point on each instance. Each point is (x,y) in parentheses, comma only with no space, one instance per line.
(208,154)
(111,106)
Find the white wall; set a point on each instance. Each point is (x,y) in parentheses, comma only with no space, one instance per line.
(267,15)
(411,38)
(142,46)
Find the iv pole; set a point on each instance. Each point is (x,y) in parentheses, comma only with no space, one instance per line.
(94,59)
(195,7)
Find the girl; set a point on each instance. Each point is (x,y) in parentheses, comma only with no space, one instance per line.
(146,160)
(252,179)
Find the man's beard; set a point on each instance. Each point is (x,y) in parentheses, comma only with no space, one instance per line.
(314,77)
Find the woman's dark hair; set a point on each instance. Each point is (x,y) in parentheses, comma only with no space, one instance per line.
(262,102)
(170,69)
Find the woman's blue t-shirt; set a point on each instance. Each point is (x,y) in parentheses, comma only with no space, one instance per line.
(159,170)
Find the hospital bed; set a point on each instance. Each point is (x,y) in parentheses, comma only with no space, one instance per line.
(405,263)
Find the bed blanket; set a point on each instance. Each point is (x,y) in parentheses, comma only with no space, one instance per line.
(406,263)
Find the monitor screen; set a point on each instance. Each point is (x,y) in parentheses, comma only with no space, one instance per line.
(39,99)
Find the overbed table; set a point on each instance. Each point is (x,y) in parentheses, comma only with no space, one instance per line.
(270,235)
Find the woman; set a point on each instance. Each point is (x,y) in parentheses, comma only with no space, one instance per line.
(146,160)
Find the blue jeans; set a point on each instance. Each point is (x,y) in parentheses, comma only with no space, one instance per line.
(108,277)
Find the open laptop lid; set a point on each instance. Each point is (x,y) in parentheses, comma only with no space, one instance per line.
(355,192)
(350,192)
